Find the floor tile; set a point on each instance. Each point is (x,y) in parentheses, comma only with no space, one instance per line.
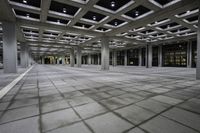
(90,109)
(75,128)
(59,118)
(29,125)
(108,123)
(135,114)
(163,125)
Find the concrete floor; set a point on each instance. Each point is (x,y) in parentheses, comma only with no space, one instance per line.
(5,79)
(61,99)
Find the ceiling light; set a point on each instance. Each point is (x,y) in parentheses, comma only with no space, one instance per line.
(188,11)
(136,13)
(58,21)
(112,4)
(83,26)
(25,1)
(64,10)
(168,26)
(94,18)
(115,23)
(27,15)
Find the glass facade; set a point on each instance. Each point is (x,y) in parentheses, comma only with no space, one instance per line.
(143,56)
(111,55)
(120,57)
(175,55)
(133,57)
(194,53)
(155,56)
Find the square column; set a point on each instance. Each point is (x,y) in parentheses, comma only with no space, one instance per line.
(89,59)
(140,57)
(98,57)
(9,47)
(79,57)
(105,53)
(72,58)
(24,56)
(114,59)
(198,50)
(125,57)
(148,56)
(160,55)
(63,60)
(43,60)
(189,54)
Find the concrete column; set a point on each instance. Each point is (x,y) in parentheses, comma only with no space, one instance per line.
(23,56)
(58,60)
(43,60)
(125,57)
(198,49)
(28,57)
(63,60)
(79,57)
(98,58)
(72,58)
(9,47)
(89,59)
(105,53)
(114,59)
(140,56)
(148,56)
(189,54)
(160,55)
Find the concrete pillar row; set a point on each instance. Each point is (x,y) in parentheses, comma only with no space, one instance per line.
(114,59)
(72,58)
(125,57)
(9,47)
(148,56)
(189,54)
(160,55)
(79,57)
(140,56)
(105,53)
(198,49)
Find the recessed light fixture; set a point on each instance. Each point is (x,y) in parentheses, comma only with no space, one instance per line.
(168,26)
(64,10)
(25,1)
(188,11)
(58,21)
(94,18)
(115,23)
(112,4)
(27,15)
(83,26)
(136,13)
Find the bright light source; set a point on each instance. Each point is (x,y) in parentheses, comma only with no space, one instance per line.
(94,18)
(64,10)
(112,4)
(115,23)
(136,13)
(58,21)
(25,1)
(27,15)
